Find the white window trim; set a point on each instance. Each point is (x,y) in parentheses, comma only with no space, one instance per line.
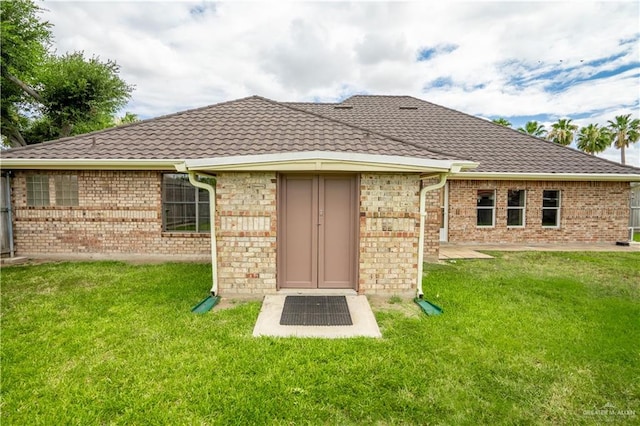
(197,202)
(523,208)
(558,209)
(493,210)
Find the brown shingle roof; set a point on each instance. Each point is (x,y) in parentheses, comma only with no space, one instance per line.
(246,126)
(496,148)
(391,125)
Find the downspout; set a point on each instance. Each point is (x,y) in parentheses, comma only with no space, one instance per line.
(212,217)
(423,215)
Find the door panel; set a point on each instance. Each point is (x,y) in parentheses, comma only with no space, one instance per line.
(336,232)
(300,209)
(317,232)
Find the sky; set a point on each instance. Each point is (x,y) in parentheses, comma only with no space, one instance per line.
(519,60)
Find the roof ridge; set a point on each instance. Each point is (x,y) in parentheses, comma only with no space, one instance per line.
(379,96)
(394,138)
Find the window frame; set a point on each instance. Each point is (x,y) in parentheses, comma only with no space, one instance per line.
(42,190)
(67,193)
(556,208)
(522,208)
(197,204)
(492,208)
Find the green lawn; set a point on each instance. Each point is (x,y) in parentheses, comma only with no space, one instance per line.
(526,338)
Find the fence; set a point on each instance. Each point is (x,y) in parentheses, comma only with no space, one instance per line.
(634,219)
(6,234)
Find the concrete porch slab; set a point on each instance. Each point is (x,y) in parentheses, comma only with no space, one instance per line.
(364,322)
(17,260)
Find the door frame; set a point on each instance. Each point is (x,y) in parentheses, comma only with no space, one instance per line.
(444,211)
(280,229)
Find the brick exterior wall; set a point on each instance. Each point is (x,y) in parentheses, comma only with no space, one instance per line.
(246,220)
(591,212)
(432,223)
(120,212)
(389,225)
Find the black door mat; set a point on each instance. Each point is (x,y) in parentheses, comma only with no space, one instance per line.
(315,310)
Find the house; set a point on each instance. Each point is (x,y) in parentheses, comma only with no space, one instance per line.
(351,195)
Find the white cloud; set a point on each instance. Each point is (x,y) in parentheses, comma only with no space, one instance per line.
(379,47)
(187,54)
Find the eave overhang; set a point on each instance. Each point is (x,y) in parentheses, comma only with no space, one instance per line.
(323,161)
(87,164)
(613,177)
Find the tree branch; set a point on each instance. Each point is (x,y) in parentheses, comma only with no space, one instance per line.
(26,88)
(11,131)
(15,138)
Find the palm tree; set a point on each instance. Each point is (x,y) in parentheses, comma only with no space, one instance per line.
(624,131)
(127,118)
(562,132)
(533,128)
(502,121)
(593,139)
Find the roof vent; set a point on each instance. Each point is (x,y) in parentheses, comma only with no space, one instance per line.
(408,107)
(343,107)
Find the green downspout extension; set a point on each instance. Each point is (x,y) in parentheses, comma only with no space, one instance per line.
(212,217)
(423,214)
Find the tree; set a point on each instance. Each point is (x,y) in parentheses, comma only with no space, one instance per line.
(624,132)
(562,131)
(533,128)
(502,121)
(593,139)
(25,42)
(127,118)
(45,96)
(77,91)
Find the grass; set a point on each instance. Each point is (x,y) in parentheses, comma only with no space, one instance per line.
(526,338)
(636,237)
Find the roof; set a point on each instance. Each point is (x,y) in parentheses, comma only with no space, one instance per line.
(498,149)
(246,126)
(389,127)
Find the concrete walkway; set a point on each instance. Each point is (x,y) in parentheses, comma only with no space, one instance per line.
(471,251)
(459,252)
(364,322)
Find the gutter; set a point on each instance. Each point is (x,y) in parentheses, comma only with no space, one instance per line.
(613,177)
(423,215)
(89,164)
(212,217)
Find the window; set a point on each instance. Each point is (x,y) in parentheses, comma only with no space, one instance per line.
(66,190)
(486,207)
(551,208)
(185,207)
(38,190)
(516,201)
